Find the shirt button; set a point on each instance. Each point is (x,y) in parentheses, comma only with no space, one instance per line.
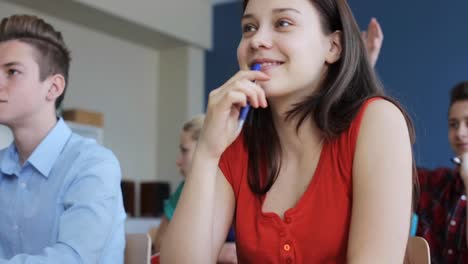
(287,247)
(450,252)
(23,185)
(453,223)
(282,233)
(15,227)
(288,220)
(289,260)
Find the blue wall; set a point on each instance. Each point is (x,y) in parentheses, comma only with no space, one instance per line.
(221,62)
(425,53)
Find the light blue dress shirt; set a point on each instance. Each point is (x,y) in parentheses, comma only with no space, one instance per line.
(64,205)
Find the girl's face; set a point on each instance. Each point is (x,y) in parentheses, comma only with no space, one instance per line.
(287,39)
(186,149)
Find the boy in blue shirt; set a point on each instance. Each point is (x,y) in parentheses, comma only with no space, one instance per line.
(60,197)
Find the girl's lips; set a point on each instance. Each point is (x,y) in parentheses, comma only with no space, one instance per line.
(462,146)
(267,65)
(266,61)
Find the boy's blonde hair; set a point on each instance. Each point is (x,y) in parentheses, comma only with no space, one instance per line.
(194,126)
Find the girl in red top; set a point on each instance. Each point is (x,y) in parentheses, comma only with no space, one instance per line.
(322,170)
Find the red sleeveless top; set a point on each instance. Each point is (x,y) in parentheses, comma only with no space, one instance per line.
(316,229)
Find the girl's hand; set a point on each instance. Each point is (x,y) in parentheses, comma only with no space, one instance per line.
(224,103)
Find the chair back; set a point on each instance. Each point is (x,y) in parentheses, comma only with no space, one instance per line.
(137,248)
(418,251)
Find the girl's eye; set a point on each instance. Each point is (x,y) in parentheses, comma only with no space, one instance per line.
(248,28)
(283,23)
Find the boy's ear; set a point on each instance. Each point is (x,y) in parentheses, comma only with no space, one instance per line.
(336,47)
(56,87)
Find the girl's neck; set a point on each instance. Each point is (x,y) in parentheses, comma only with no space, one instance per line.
(296,142)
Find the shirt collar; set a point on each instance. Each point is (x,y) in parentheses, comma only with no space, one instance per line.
(44,156)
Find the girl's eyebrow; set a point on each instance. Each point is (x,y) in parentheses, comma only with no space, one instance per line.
(247,16)
(282,10)
(276,10)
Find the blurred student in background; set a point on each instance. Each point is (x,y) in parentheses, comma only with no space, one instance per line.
(188,140)
(442,206)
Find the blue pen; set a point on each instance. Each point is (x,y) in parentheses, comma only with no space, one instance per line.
(245,110)
(456,160)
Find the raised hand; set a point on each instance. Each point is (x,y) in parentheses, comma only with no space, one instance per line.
(373,39)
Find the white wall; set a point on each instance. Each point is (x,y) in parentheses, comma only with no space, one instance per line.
(180,98)
(5,137)
(120,80)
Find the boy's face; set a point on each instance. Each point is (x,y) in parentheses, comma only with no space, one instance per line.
(458,127)
(186,150)
(22,94)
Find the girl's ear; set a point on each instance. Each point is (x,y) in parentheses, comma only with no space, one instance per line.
(336,47)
